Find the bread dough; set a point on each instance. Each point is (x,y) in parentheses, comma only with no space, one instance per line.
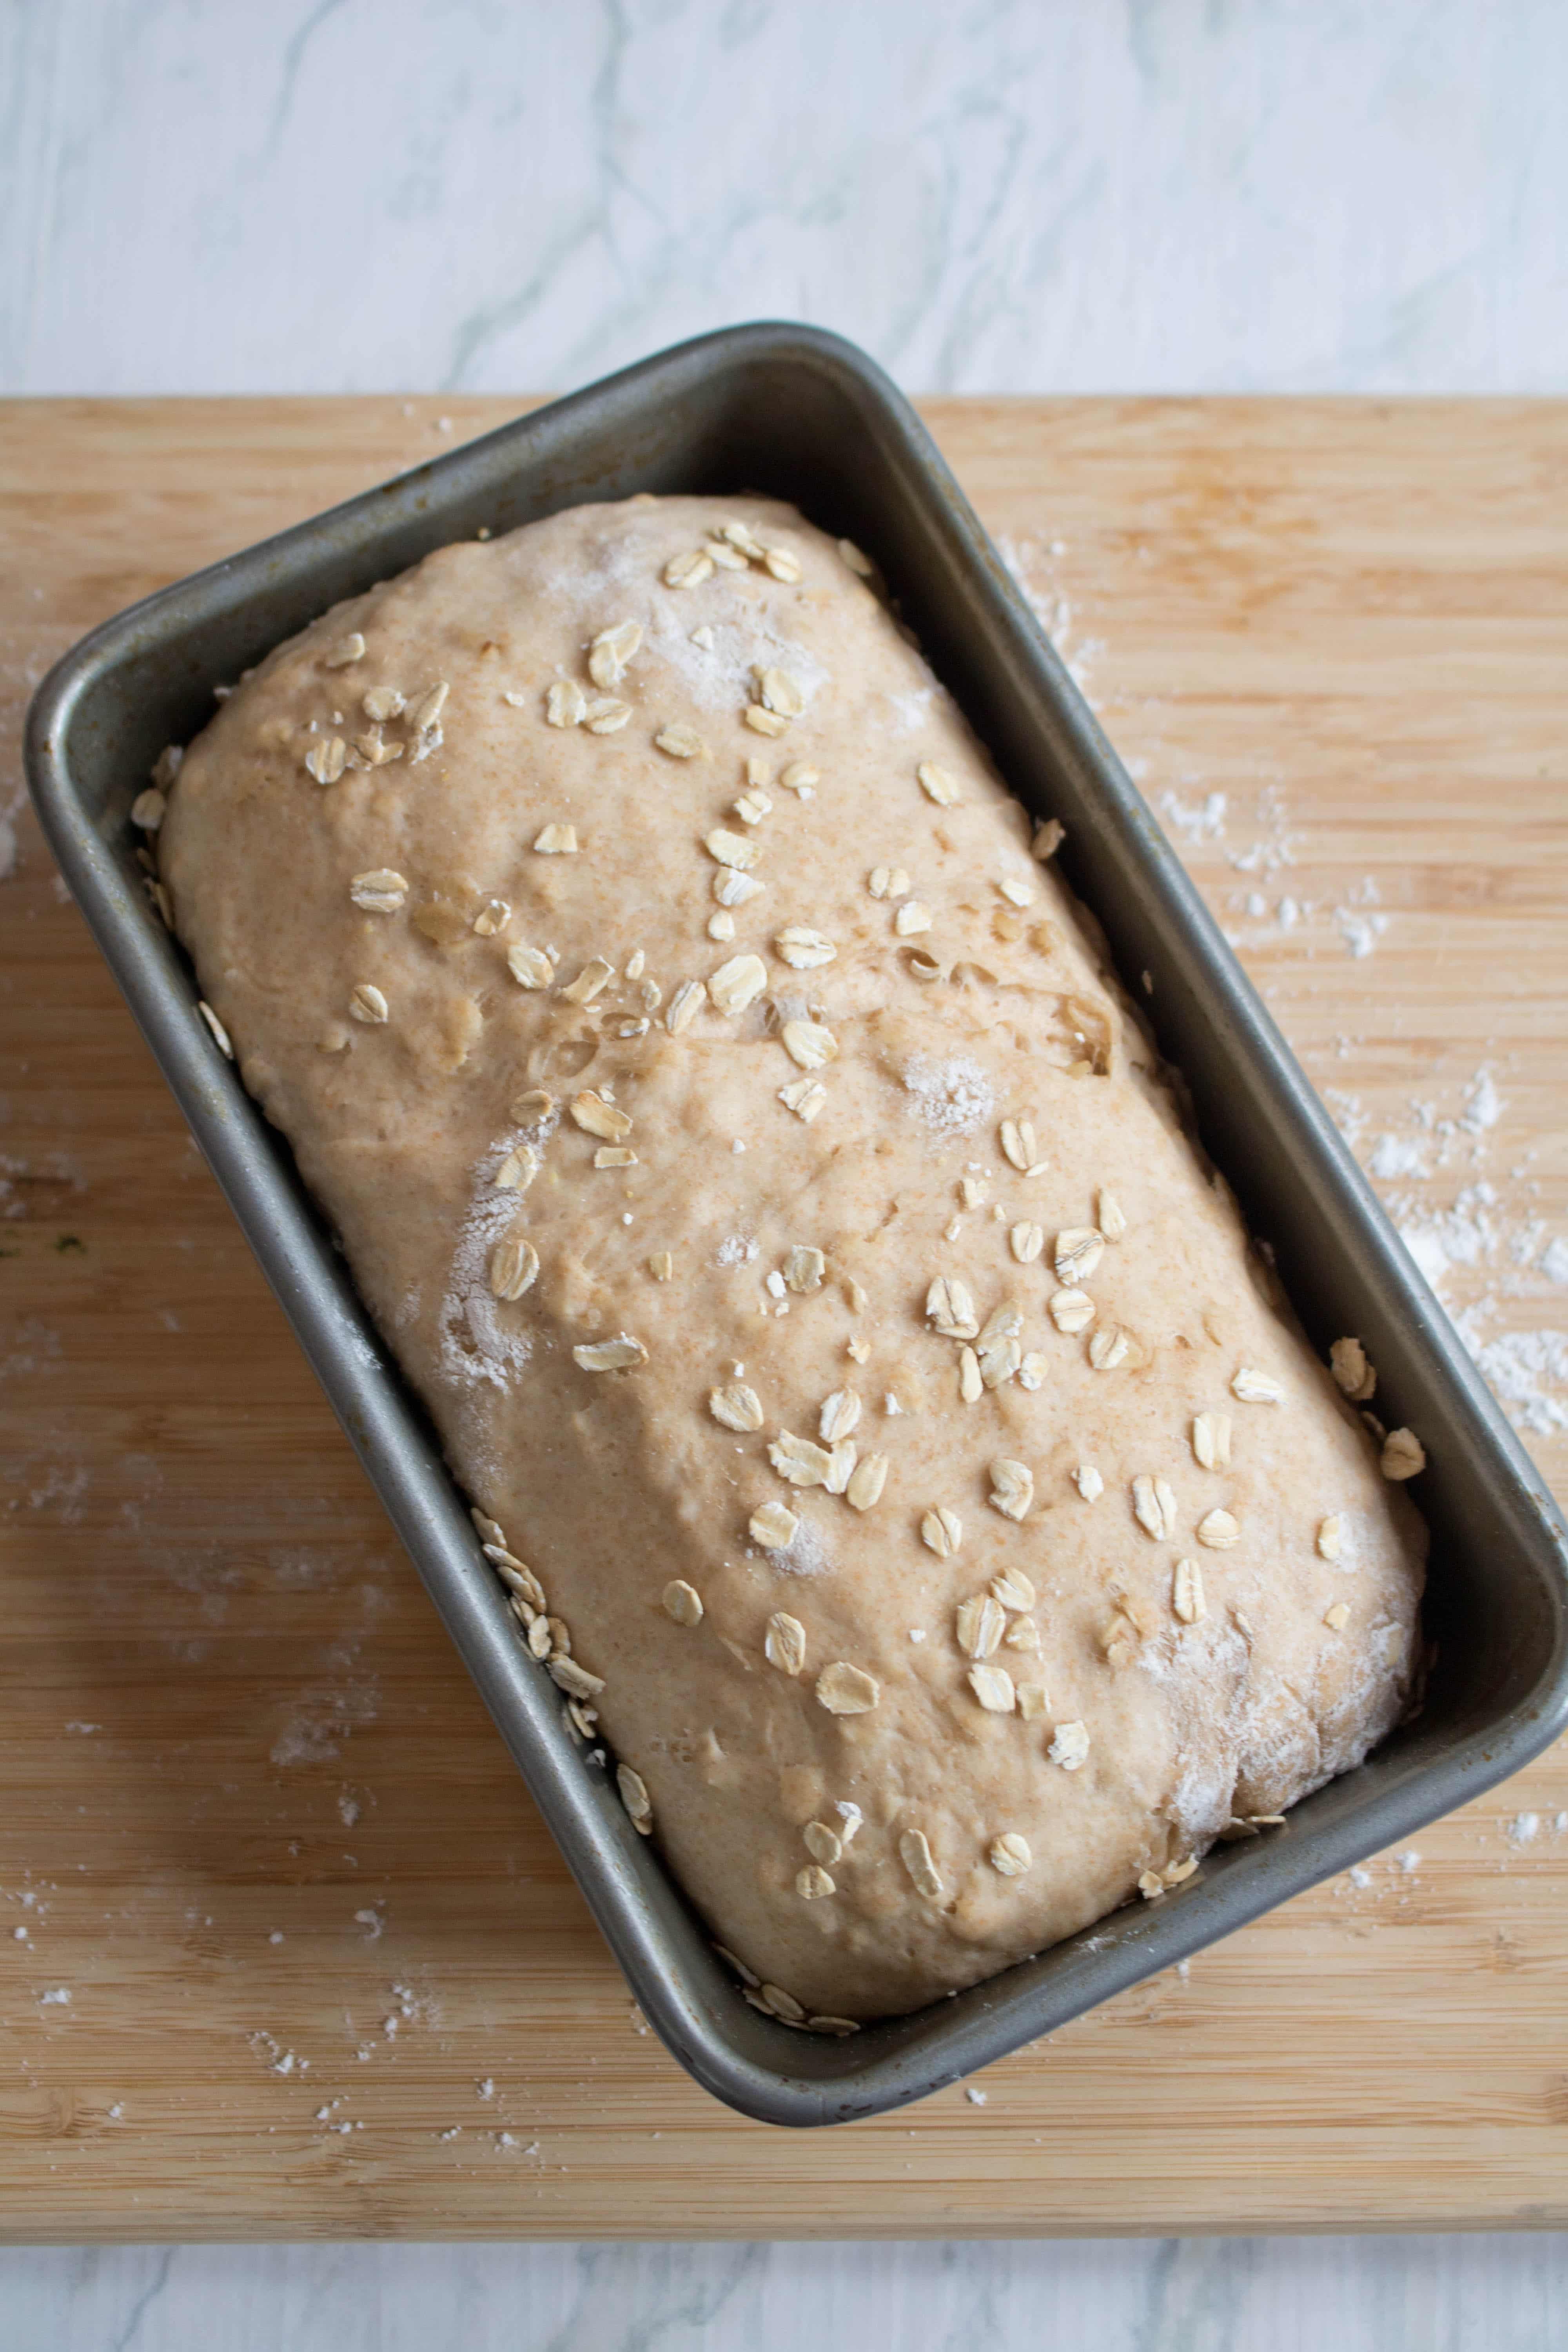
(994,1474)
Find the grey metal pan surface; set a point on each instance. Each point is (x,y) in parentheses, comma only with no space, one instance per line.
(790,410)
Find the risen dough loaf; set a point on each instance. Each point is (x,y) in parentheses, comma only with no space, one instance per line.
(909,1066)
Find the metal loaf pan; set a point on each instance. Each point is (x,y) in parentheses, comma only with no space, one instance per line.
(784,409)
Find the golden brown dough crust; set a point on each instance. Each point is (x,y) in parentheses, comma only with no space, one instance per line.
(906,996)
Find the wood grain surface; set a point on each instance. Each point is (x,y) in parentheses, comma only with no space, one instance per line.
(284,1950)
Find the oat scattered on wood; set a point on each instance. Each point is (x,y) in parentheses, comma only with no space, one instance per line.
(1403,1455)
(617,1355)
(1353,1370)
(1154,1507)
(844,1689)
(1253,1387)
(937,784)
(367,1003)
(514,1267)
(737,1406)
(1011,1488)
(557,841)
(784,1645)
(941,1531)
(915,1854)
(1188,1591)
(1010,1853)
(1211,1440)
(1219,1530)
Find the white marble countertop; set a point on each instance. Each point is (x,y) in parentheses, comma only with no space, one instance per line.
(1138,195)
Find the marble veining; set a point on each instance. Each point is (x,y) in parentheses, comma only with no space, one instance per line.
(1003,195)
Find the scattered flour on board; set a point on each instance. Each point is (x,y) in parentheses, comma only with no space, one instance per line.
(478,1342)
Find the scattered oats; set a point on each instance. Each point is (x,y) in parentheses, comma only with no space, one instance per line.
(682,1603)
(971,1379)
(634,1792)
(592,981)
(941,1531)
(732,849)
(564,703)
(803,948)
(922,967)
(1354,1374)
(1330,1535)
(978,1624)
(661,1266)
(684,1005)
(804,1097)
(493,917)
(557,841)
(773,1525)
(612,651)
(614,1155)
(1049,839)
(992,1686)
(1111,1216)
(738,1408)
(1069,1747)
(1027,1241)
(804,1268)
(514,1267)
(1071,1310)
(1034,1701)
(1403,1455)
(840,1467)
(844,1689)
(594,1116)
(783,2004)
(1187,1592)
(617,1355)
(764,722)
(742,535)
(567,1675)
(1018,1146)
(887,882)
(858,1351)
(865,1483)
(1154,1507)
(801,777)
(515,701)
(1018,893)
(1150,1885)
(367,1003)
(937,784)
(839,1416)
(915,1854)
(382,703)
(1003,1322)
(812,1882)
(488,1530)
(1177,1874)
(784,1643)
(808,1043)
(326,759)
(529,967)
(1010,1854)
(999,1362)
(1254,1387)
(688,571)
(517,1170)
(1107,1348)
(220,1036)
(854,558)
(425,714)
(347,649)
(1079,1251)
(1089,1482)
(779,692)
(783,565)
(1219,1530)
(911,918)
(528,1108)
(148,809)
(682,742)
(605,716)
(1011,1488)
(1211,1440)
(950,1309)
(729,558)
(751,807)
(1013,1589)
(822,1844)
(1023,1635)
(738,983)
(1337,1617)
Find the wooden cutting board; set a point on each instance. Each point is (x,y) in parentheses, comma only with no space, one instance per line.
(284,1950)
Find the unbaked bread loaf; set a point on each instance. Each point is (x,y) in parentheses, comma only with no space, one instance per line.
(891,1443)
